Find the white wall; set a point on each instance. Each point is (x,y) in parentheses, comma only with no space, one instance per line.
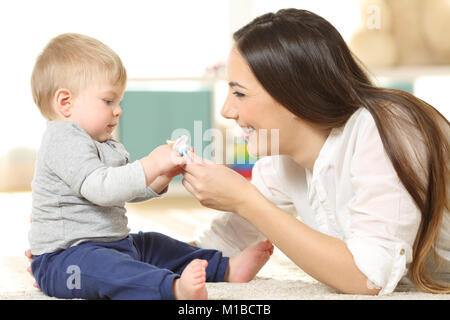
(155,38)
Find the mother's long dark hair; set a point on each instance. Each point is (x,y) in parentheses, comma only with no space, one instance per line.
(302,62)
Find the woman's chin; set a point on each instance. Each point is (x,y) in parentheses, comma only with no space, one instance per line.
(252,153)
(259,145)
(255,152)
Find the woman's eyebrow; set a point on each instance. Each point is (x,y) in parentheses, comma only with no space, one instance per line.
(236,84)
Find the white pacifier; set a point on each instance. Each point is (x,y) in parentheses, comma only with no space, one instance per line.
(181,146)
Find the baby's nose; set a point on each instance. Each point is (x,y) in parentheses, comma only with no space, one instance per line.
(117,111)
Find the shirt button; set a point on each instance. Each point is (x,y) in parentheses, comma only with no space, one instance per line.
(402,251)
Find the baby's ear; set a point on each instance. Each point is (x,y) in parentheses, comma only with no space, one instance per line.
(64,102)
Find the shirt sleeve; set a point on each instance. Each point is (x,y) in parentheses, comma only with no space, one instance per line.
(384,218)
(229,232)
(149,194)
(113,186)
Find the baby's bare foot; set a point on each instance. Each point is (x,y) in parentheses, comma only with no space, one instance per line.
(245,266)
(191,285)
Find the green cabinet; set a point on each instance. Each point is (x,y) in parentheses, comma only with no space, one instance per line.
(149,118)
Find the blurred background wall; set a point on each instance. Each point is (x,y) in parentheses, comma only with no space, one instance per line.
(175,52)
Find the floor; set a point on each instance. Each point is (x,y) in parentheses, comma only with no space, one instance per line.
(178,215)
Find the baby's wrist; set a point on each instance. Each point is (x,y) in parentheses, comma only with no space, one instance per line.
(164,180)
(160,184)
(151,169)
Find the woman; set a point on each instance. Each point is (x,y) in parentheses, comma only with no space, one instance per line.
(365,169)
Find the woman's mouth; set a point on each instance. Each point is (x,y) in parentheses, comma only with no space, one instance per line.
(247,132)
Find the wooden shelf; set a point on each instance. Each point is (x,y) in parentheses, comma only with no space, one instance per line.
(408,73)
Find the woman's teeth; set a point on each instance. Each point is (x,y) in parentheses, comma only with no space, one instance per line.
(248,131)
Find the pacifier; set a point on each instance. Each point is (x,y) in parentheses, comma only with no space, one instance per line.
(180,145)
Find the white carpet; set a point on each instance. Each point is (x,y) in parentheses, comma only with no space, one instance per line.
(279,279)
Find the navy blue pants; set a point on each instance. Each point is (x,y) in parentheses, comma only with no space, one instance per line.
(141,266)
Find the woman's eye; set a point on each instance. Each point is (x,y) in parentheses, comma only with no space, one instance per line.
(238,94)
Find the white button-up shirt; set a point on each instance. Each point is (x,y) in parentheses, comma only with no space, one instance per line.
(353,194)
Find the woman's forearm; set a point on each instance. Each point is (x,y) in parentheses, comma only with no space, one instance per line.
(325,258)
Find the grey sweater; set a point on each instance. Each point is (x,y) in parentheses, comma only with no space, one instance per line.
(79,189)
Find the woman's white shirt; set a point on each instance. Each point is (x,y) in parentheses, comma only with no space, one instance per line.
(353,194)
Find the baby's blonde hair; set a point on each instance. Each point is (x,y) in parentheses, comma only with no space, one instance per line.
(72,61)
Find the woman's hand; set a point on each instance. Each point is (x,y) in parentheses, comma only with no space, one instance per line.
(216,186)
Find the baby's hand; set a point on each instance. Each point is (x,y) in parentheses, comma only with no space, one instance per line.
(163,160)
(180,145)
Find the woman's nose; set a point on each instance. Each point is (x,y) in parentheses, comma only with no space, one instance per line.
(228,111)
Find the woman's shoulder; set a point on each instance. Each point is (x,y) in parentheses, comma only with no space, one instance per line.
(358,128)
(361,118)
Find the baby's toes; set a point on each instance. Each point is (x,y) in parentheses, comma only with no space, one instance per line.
(199,273)
(197,265)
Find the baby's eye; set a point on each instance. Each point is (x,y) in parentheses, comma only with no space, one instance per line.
(108,102)
(238,94)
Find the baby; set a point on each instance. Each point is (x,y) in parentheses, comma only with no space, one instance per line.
(79,237)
